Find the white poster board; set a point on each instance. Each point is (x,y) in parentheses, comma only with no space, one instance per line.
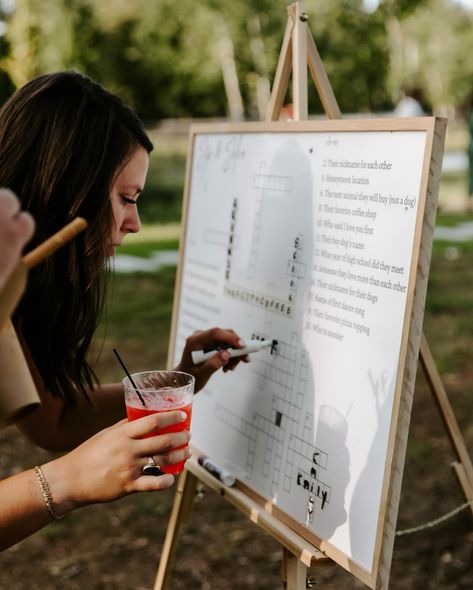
(308,233)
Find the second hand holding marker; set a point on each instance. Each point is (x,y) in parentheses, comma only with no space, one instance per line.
(200,356)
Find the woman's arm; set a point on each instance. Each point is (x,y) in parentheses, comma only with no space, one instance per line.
(104,468)
(23,509)
(55,428)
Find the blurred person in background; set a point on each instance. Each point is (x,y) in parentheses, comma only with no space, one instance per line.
(411,104)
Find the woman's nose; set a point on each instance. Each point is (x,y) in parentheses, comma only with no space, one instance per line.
(133,222)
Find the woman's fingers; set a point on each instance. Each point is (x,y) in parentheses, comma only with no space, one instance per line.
(20,223)
(173,457)
(147,424)
(9,204)
(150,483)
(208,338)
(233,362)
(169,458)
(162,443)
(220,360)
(16,229)
(25,226)
(165,449)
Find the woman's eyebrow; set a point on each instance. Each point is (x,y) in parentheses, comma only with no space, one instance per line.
(133,188)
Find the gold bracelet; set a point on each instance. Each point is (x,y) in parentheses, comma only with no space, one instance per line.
(48,498)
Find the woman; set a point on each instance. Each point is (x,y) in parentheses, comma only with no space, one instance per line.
(69,147)
(106,467)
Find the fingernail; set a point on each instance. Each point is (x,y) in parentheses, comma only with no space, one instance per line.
(241,343)
(225,355)
(182,416)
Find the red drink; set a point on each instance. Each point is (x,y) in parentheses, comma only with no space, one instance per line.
(134,413)
(154,392)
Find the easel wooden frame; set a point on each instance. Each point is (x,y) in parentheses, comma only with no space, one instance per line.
(303,49)
(298,51)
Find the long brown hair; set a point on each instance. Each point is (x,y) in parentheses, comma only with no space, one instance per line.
(63,138)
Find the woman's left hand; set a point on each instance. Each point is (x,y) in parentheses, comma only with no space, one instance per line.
(202,340)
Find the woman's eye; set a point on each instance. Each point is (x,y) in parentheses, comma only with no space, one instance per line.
(128,200)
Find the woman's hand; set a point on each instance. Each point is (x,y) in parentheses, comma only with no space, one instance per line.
(16,228)
(109,465)
(201,340)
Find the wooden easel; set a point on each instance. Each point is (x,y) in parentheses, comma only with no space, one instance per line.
(463,467)
(303,50)
(298,554)
(298,51)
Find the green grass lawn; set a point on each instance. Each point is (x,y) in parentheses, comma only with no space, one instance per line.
(449,308)
(161,201)
(137,323)
(151,238)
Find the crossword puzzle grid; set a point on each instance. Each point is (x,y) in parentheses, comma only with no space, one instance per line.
(286,428)
(284,421)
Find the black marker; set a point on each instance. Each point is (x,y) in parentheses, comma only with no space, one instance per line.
(199,356)
(224,476)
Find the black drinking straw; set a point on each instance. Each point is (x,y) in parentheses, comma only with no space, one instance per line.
(128,375)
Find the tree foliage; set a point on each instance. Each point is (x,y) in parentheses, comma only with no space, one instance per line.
(165,58)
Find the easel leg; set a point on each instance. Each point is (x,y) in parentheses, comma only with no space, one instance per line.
(464,467)
(180,514)
(294,572)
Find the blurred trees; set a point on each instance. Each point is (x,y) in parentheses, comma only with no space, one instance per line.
(210,58)
(352,44)
(436,46)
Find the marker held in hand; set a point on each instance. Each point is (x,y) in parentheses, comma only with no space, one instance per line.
(200,356)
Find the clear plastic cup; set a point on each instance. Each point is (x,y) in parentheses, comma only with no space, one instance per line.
(161,391)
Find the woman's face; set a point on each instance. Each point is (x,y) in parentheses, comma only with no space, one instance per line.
(125,192)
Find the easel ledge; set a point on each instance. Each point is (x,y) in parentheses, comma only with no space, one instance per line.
(299,554)
(304,551)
